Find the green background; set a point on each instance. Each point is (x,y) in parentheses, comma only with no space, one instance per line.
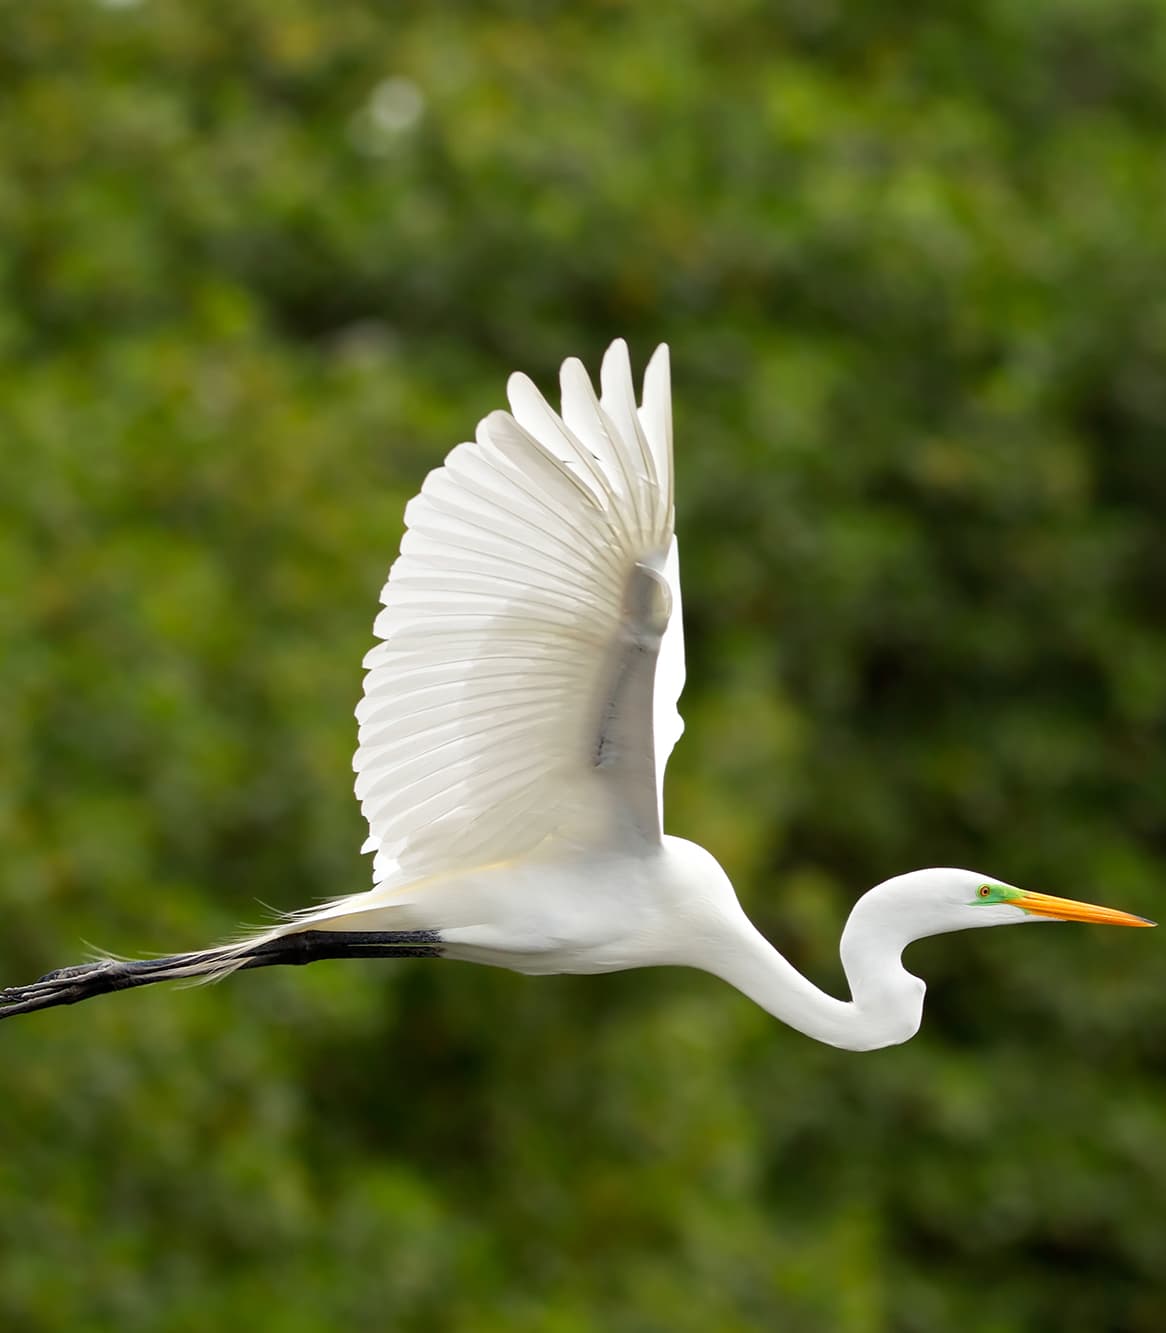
(263,263)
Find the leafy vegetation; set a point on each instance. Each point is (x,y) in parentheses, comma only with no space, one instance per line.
(264,262)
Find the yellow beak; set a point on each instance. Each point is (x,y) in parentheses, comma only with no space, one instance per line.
(1065,909)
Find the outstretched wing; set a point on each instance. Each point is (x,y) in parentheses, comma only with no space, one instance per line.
(515,697)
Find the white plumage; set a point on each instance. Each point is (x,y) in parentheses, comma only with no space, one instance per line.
(518,714)
(485,726)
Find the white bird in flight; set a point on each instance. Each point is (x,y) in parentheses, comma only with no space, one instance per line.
(516,720)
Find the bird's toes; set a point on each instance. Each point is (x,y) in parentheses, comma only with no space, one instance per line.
(51,983)
(77,970)
(26,999)
(22,994)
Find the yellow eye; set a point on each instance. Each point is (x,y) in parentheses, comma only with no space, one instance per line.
(985,890)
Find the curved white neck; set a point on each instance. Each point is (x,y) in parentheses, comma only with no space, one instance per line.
(887,1001)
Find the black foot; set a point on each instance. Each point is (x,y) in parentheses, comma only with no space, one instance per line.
(68,985)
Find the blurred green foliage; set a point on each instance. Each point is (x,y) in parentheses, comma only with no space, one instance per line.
(264,261)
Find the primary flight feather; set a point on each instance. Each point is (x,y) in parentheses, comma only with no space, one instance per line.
(518,713)
(508,700)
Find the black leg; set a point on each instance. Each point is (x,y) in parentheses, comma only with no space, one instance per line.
(309,946)
(68,985)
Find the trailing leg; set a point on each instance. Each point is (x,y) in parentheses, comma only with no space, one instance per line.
(69,985)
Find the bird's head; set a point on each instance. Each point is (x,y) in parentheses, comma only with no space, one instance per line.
(888,999)
(933,902)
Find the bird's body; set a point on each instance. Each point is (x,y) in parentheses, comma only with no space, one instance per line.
(517,717)
(568,910)
(672,905)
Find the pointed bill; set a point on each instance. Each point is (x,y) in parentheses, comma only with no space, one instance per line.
(1065,909)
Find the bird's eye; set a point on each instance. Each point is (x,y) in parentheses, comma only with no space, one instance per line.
(985,890)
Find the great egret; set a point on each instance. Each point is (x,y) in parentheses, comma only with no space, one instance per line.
(516,720)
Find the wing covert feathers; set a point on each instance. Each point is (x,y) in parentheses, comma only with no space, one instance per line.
(515,697)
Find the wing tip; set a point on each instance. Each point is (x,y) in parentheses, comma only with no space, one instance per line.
(661,359)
